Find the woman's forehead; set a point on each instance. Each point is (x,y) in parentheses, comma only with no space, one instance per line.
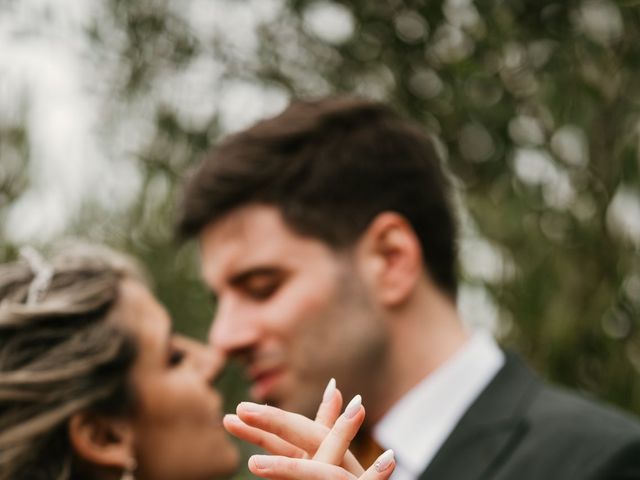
(139,312)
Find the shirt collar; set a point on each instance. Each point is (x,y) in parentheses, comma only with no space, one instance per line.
(419,423)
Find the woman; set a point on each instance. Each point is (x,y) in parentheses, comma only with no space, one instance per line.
(94,384)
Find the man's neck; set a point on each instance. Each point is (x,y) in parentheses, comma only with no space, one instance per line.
(424,335)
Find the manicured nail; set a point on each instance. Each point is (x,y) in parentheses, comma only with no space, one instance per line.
(330,390)
(232,418)
(249,407)
(261,461)
(353,407)
(384,461)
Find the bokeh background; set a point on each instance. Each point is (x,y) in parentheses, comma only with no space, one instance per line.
(104,105)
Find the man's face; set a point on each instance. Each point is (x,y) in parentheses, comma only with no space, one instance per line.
(292,309)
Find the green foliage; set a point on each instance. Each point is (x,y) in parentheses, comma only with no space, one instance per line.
(537,112)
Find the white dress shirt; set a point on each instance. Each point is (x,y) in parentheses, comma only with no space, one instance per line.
(417,425)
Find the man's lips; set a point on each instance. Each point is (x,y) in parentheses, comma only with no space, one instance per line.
(264,381)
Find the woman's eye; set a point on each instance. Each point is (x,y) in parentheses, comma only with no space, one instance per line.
(176,357)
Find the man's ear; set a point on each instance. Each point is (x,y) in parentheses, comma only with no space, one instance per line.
(390,255)
(101,440)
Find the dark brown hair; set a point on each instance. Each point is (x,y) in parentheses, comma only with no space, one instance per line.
(58,356)
(331,166)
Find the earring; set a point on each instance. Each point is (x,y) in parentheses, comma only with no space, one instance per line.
(128,473)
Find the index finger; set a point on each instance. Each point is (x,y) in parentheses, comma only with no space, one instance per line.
(291,427)
(331,404)
(265,440)
(285,468)
(336,443)
(382,468)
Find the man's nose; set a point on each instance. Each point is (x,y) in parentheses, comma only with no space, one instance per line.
(233,330)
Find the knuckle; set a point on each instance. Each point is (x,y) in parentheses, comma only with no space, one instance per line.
(290,467)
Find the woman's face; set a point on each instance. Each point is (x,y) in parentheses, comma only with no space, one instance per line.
(177,420)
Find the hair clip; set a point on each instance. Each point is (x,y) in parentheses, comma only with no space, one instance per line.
(42,274)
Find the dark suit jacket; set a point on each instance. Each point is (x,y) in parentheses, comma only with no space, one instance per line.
(520,428)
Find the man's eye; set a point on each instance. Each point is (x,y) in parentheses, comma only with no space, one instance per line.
(262,288)
(175,357)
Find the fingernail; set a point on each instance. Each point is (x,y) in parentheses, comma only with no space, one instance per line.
(261,461)
(353,407)
(249,407)
(330,390)
(230,417)
(384,461)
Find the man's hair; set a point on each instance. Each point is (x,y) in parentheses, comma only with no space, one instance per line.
(330,166)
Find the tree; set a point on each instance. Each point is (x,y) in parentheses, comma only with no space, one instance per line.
(535,108)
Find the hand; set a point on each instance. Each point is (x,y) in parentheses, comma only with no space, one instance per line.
(330,452)
(305,449)
(289,434)
(285,468)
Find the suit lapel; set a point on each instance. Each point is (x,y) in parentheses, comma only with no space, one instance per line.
(490,428)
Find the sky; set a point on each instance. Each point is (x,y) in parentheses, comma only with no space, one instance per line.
(49,75)
(43,71)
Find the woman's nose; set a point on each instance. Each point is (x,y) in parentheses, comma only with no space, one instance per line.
(209,363)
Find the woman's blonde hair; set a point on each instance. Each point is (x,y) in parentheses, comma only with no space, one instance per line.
(59,354)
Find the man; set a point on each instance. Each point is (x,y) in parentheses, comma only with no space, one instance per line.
(327,236)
